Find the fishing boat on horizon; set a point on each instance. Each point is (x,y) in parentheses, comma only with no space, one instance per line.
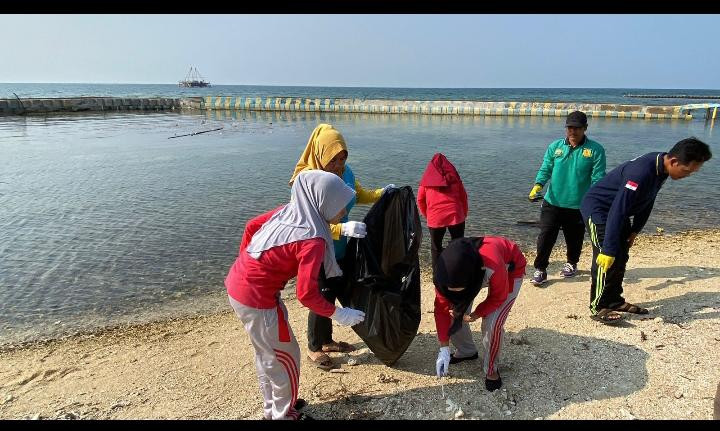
(193,79)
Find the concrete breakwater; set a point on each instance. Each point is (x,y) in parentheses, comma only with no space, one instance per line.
(671,96)
(30,106)
(375,106)
(438,107)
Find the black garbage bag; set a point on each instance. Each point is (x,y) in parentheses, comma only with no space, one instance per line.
(383,272)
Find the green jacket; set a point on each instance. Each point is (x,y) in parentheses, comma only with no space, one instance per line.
(571,171)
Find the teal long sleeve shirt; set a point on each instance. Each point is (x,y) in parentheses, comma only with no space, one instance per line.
(570,171)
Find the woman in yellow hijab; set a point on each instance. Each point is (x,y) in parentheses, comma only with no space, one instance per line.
(326,150)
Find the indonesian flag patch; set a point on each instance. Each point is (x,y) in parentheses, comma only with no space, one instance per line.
(631,185)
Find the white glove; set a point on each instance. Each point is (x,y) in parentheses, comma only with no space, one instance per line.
(388,187)
(354,229)
(443,361)
(348,316)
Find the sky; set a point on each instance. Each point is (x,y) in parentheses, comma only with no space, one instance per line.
(357,50)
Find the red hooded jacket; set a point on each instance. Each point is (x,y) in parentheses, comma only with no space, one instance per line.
(442,198)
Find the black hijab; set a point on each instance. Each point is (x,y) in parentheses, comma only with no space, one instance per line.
(460,265)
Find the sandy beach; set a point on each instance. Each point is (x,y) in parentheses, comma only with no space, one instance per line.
(557,362)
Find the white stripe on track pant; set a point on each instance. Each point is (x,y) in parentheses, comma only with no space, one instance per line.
(493,330)
(277,357)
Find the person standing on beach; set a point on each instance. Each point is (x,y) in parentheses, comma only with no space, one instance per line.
(289,241)
(442,200)
(462,269)
(628,191)
(571,165)
(326,150)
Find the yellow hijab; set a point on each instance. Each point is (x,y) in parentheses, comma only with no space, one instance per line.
(325,143)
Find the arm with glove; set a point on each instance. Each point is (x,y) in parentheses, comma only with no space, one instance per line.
(442,324)
(354,229)
(616,220)
(544,173)
(310,255)
(347,316)
(442,363)
(534,191)
(357,229)
(370,196)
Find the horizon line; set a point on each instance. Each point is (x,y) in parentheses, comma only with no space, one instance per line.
(374,86)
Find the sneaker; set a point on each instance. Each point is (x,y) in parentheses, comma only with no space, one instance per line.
(539,277)
(569,270)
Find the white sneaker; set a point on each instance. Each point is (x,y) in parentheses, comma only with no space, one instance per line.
(539,277)
(569,270)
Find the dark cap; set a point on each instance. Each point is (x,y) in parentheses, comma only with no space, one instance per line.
(576,119)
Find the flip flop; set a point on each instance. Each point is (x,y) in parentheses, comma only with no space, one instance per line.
(338,346)
(604,316)
(324,362)
(631,308)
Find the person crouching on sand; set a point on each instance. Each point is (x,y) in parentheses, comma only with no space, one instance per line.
(293,240)
(461,270)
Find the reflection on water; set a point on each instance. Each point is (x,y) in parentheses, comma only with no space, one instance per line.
(104,220)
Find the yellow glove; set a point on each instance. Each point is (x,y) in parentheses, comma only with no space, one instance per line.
(533,193)
(604,261)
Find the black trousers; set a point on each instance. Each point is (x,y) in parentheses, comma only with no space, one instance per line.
(606,288)
(319,330)
(553,218)
(436,238)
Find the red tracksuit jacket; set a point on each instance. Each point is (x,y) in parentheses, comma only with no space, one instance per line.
(496,253)
(258,282)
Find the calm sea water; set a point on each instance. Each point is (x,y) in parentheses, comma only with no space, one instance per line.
(587,95)
(105,221)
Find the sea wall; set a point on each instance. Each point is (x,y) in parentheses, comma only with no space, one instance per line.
(377,106)
(75,104)
(437,107)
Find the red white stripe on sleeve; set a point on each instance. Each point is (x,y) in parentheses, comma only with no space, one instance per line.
(631,185)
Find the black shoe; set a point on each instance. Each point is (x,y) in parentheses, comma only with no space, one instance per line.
(493,385)
(454,360)
(300,404)
(304,417)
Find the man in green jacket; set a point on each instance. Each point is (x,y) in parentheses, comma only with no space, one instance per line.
(571,165)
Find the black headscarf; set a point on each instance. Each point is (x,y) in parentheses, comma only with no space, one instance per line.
(460,265)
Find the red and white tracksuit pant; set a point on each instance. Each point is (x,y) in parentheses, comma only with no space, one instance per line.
(277,357)
(493,329)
